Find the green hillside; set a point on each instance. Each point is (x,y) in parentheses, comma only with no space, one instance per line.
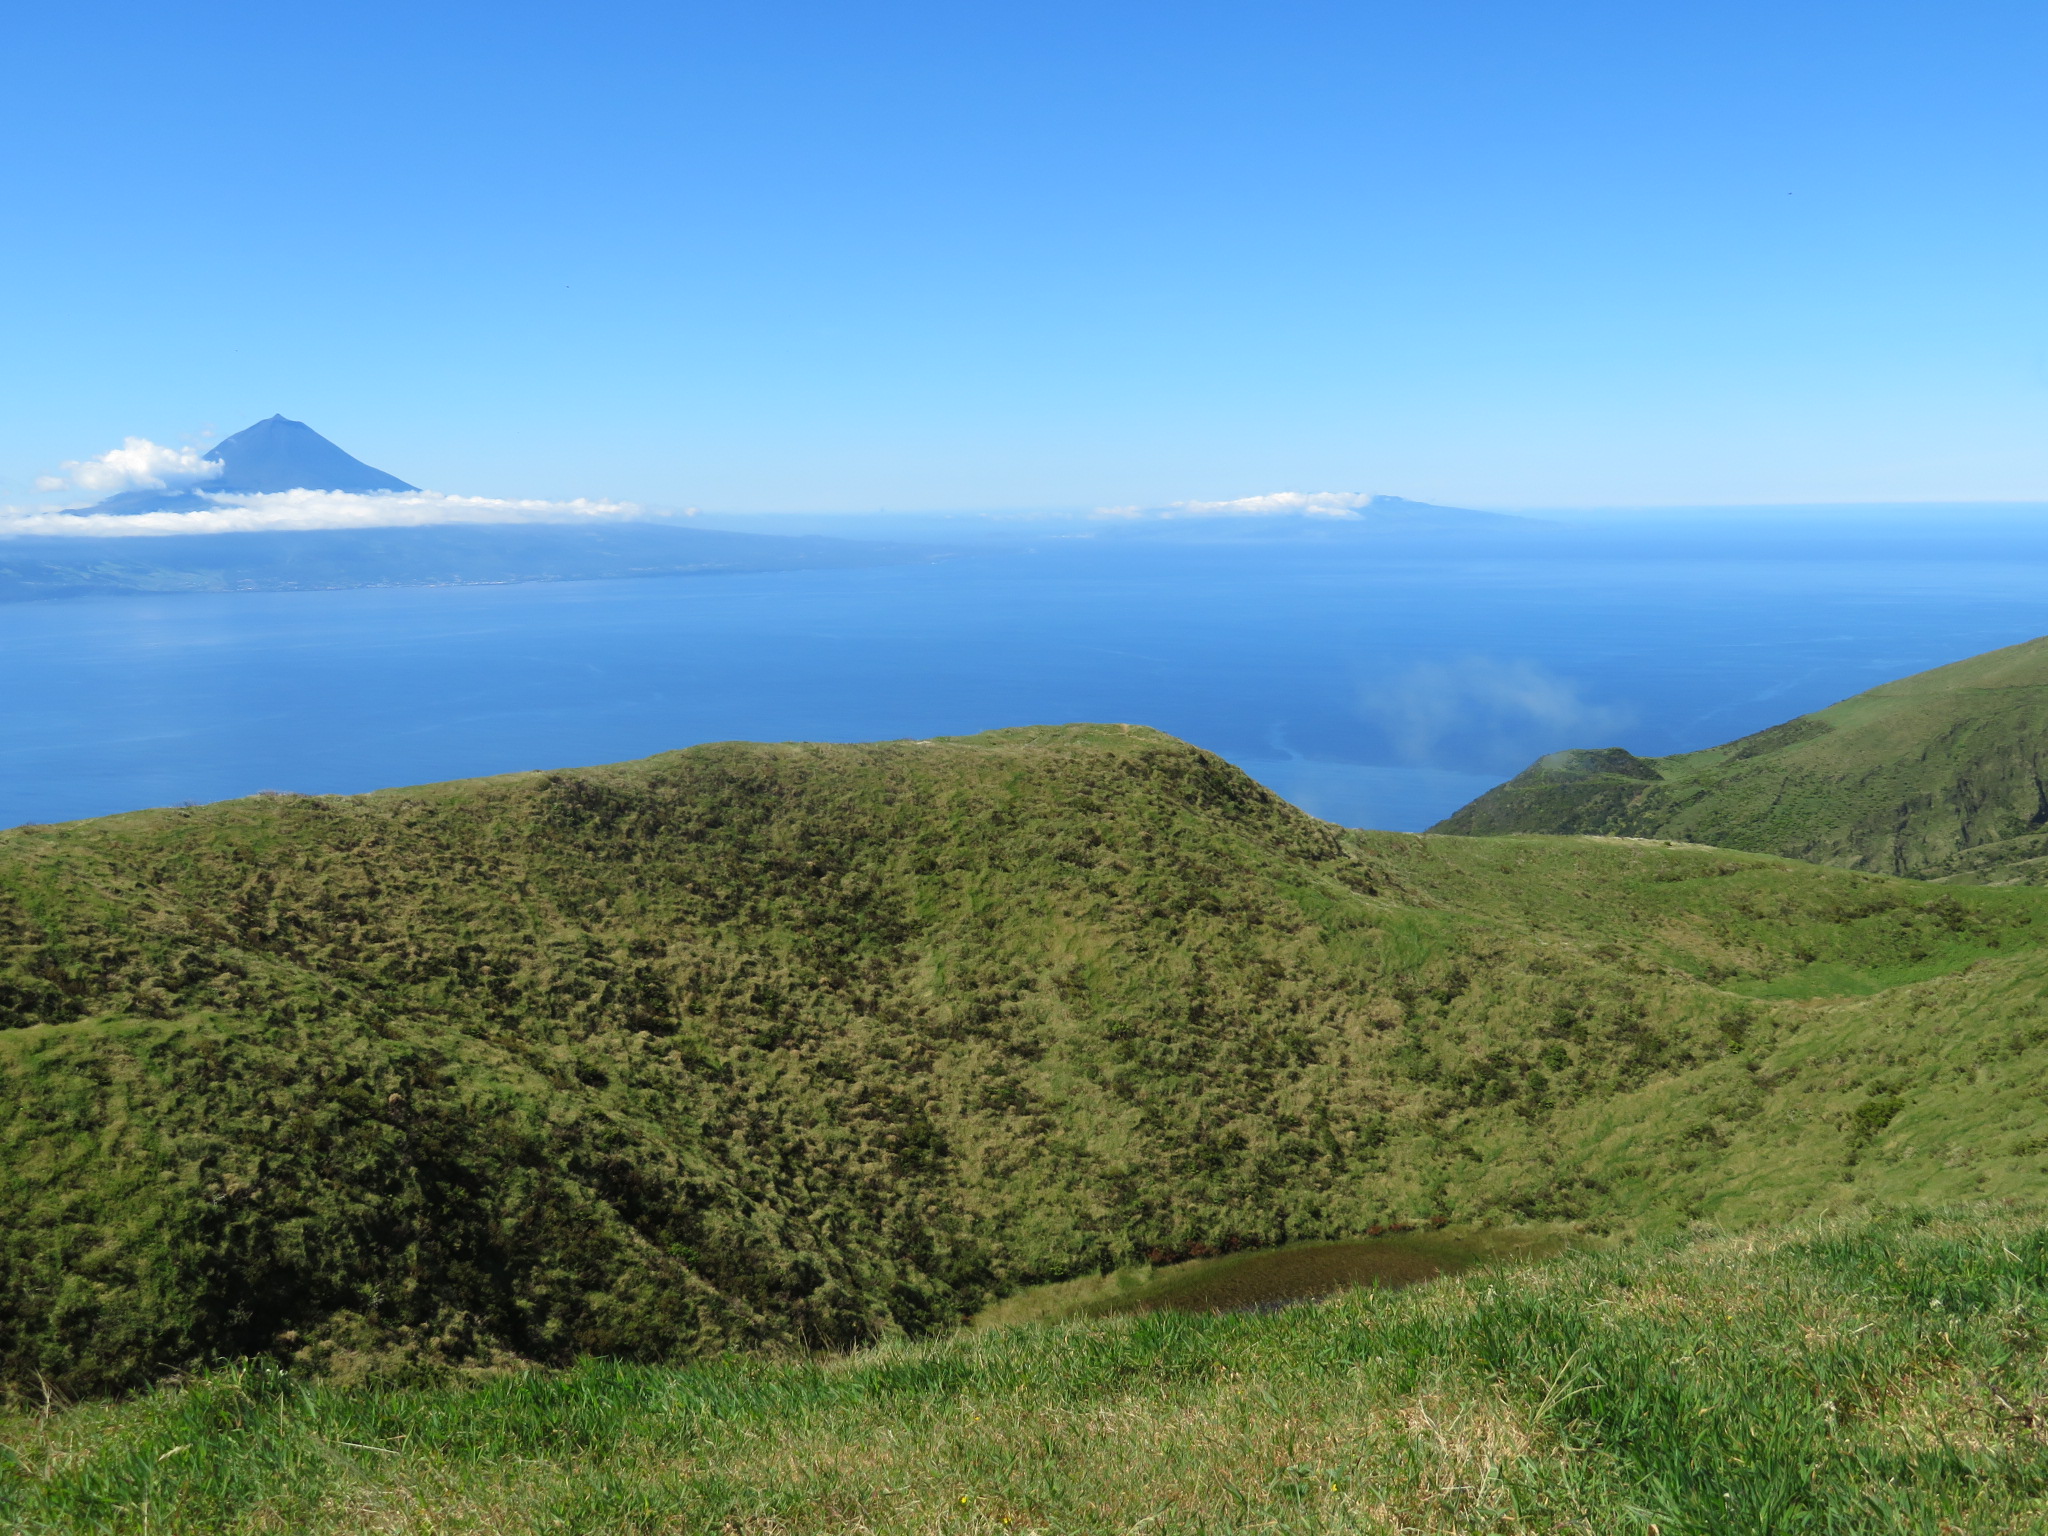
(1857,1377)
(812,1045)
(1939,776)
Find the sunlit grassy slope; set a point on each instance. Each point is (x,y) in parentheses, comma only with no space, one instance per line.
(1859,1378)
(814,1045)
(1938,776)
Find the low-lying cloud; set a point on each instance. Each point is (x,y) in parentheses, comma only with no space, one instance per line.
(1343,504)
(306,511)
(137,465)
(1481,713)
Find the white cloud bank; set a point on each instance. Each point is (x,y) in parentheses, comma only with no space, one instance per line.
(137,465)
(304,511)
(1275,504)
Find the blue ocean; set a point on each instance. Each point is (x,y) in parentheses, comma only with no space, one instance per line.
(1373,684)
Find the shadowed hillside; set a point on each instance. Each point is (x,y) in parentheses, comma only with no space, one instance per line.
(1939,776)
(816,1044)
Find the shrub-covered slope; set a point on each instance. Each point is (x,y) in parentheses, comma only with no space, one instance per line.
(1940,776)
(813,1044)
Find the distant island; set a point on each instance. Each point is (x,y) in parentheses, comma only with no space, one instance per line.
(279,455)
(274,455)
(1295,515)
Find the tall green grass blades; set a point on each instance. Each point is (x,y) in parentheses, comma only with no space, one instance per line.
(1775,1383)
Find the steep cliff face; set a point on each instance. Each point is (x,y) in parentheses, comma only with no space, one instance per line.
(1939,776)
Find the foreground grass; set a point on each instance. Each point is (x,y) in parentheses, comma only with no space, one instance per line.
(1874,1376)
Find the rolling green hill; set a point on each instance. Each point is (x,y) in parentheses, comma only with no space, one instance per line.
(810,1045)
(1939,776)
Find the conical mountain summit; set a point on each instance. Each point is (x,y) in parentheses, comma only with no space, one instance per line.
(284,455)
(277,454)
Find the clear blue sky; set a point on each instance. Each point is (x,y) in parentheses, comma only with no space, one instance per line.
(782,255)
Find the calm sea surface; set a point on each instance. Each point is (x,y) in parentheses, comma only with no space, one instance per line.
(1373,688)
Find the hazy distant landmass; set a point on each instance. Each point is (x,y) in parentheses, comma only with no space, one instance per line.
(1328,507)
(1192,522)
(326,559)
(1314,518)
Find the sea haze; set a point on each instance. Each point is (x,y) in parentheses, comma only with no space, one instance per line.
(1375,682)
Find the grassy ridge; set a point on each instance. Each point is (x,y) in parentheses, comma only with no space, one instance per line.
(1860,1377)
(804,1045)
(1936,776)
